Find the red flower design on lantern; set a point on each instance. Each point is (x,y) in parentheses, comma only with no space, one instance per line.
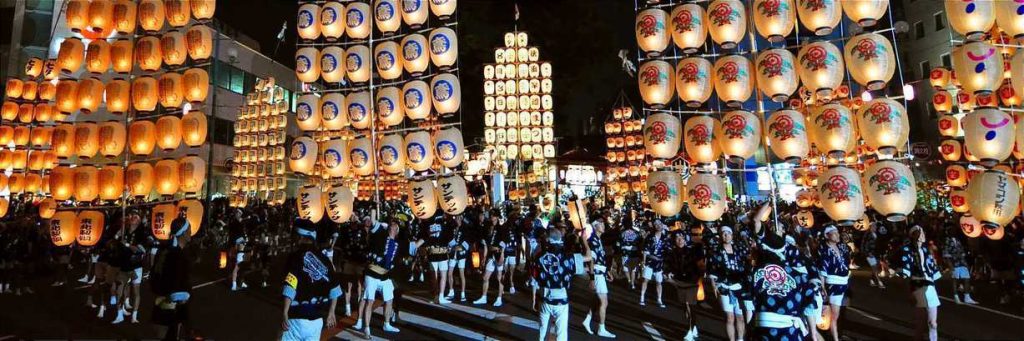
(815,59)
(736,127)
(684,21)
(888,181)
(946,149)
(703,197)
(772,65)
(700,135)
(957,200)
(723,14)
(838,189)
(729,72)
(867,49)
(770,8)
(650,26)
(651,76)
(659,133)
(936,74)
(879,113)
(814,5)
(783,128)
(661,192)
(953,174)
(829,119)
(689,73)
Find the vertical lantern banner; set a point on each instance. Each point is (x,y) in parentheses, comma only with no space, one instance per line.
(307,113)
(418,151)
(971,18)
(339,204)
(891,188)
(392,153)
(333,111)
(122,56)
(664,190)
(331,68)
(776,73)
(332,20)
(415,58)
(193,128)
(111,182)
(662,135)
(389,107)
(361,156)
(141,137)
(199,41)
(989,134)
(733,80)
(832,129)
(62,183)
(357,63)
(303,155)
(307,70)
(172,48)
(774,19)
(415,100)
(307,21)
(70,55)
(820,16)
(993,197)
(652,31)
(168,132)
(951,150)
(820,67)
(193,210)
(787,135)
(422,198)
(706,196)
(842,197)
(452,194)
(89,95)
(166,175)
(978,66)
(86,183)
(692,80)
(97,56)
(387,60)
(444,47)
(139,179)
(656,85)
(884,125)
(727,22)
(865,12)
(162,216)
(192,173)
(446,93)
(170,90)
(144,93)
(197,85)
(870,59)
(449,147)
(335,158)
(689,27)
(358,108)
(740,135)
(64,228)
(699,139)
(357,20)
(87,139)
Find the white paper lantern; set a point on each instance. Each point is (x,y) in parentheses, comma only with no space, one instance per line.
(444,47)
(727,22)
(357,20)
(820,16)
(448,146)
(699,139)
(970,18)
(303,155)
(331,68)
(332,20)
(335,158)
(662,134)
(386,16)
(842,196)
(706,197)
(820,67)
(414,12)
(891,189)
(387,60)
(452,194)
(787,135)
(416,100)
(652,31)
(306,67)
(978,66)
(993,197)
(415,57)
(774,19)
(446,93)
(418,151)
(392,153)
(357,63)
(307,113)
(656,85)
(740,135)
(664,192)
(362,156)
(389,107)
(883,124)
(422,198)
(733,79)
(831,128)
(333,111)
(871,60)
(309,204)
(989,134)
(689,27)
(776,74)
(339,204)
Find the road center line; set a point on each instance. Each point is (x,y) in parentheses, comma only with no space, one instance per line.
(985,309)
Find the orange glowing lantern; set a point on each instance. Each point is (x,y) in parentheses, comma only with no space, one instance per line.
(148,54)
(62,182)
(199,41)
(820,67)
(64,228)
(111,138)
(197,84)
(124,16)
(170,90)
(139,179)
(70,55)
(193,128)
(332,20)
(168,132)
(162,217)
(144,93)
(87,139)
(727,22)
(950,150)
(172,48)
(111,182)
(178,12)
(142,137)
(122,56)
(192,172)
(86,183)
(656,85)
(166,175)
(117,96)
(89,95)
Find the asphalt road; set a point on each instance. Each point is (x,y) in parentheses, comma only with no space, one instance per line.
(254,313)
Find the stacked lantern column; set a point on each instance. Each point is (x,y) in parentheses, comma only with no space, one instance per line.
(258,170)
(627,158)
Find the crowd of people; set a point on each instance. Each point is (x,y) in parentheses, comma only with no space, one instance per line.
(772,279)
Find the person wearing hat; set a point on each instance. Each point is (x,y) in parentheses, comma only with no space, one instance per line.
(599,276)
(383,249)
(435,237)
(918,265)
(655,247)
(310,284)
(494,253)
(557,266)
(779,289)
(728,269)
(834,261)
(170,281)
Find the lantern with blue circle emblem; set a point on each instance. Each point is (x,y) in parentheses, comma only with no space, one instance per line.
(307,69)
(357,63)
(361,156)
(971,18)
(307,113)
(448,147)
(418,151)
(989,134)
(331,68)
(446,93)
(387,60)
(1010,18)
(386,16)
(444,47)
(358,108)
(415,57)
(333,111)
(389,106)
(392,153)
(335,158)
(414,12)
(357,20)
(308,21)
(416,100)
(332,20)
(978,66)
(303,155)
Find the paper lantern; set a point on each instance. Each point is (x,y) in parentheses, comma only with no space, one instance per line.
(357,63)
(664,192)
(787,135)
(309,202)
(166,174)
(29,91)
(199,41)
(414,13)
(865,12)
(203,10)
(842,197)
(662,135)
(989,134)
(692,79)
(1007,95)
(699,133)
(86,183)
(335,158)
(89,95)
(357,23)
(332,20)
(689,28)
(978,66)
(339,202)
(727,22)
(956,176)
(148,54)
(111,182)
(47,208)
(121,56)
(193,210)
(891,188)
(162,216)
(1019,132)
(820,66)
(64,228)
(448,146)
(774,19)
(70,55)
(142,137)
(1010,18)
(10,109)
(21,136)
(172,48)
(307,70)
(414,100)
(97,56)
(62,141)
(776,75)
(418,151)
(331,69)
(950,150)
(820,16)
(656,85)
(139,179)
(958,201)
(303,155)
(970,18)
(111,138)
(307,113)
(193,128)
(652,31)
(179,12)
(66,97)
(452,194)
(144,93)
(446,93)
(14,88)
(994,233)
(422,198)
(170,90)
(87,139)
(389,106)
(116,93)
(197,84)
(739,135)
(361,156)
(40,136)
(308,21)
(942,101)
(443,8)
(392,153)
(34,67)
(870,60)
(993,197)
(123,17)
(831,128)
(1017,73)
(26,112)
(168,132)
(358,104)
(733,79)
(47,91)
(77,15)
(16,182)
(31,183)
(444,47)
(414,54)
(192,174)
(705,195)
(386,16)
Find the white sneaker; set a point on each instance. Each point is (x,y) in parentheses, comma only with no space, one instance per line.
(956,298)
(462,296)
(872,282)
(103,309)
(604,332)
(119,318)
(421,277)
(661,305)
(348,309)
(358,325)
(92,280)
(234,287)
(451,293)
(390,329)
(127,305)
(512,290)
(690,335)
(497,302)
(442,300)
(135,316)
(244,285)
(642,303)
(84,279)
(586,325)
(481,300)
(969,300)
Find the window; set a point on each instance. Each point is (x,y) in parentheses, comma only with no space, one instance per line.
(946,62)
(940,22)
(223,131)
(926,67)
(918,30)
(237,80)
(223,75)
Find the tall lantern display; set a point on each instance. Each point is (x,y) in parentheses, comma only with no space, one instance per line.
(706,196)
(891,189)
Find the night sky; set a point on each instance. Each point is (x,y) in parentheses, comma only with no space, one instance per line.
(580,38)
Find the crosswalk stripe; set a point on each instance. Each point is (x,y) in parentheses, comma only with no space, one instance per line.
(413,319)
(482,313)
(655,334)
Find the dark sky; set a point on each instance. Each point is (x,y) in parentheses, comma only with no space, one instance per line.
(581,39)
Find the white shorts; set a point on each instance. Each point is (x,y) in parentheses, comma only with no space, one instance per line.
(239,257)
(137,276)
(600,285)
(650,273)
(457,263)
(872,261)
(510,261)
(373,285)
(926,297)
(492,266)
(836,300)
(748,305)
(303,330)
(731,304)
(439,266)
(961,272)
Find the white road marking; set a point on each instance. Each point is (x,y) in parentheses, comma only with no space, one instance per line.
(655,334)
(864,313)
(482,313)
(413,319)
(985,309)
(208,283)
(349,334)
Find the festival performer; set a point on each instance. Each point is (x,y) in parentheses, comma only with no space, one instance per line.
(512,248)
(869,246)
(170,281)
(834,261)
(599,276)
(355,262)
(383,249)
(309,285)
(458,251)
(557,268)
(628,248)
(655,246)
(135,240)
(435,237)
(955,255)
(727,270)
(780,297)
(494,252)
(683,267)
(417,259)
(917,264)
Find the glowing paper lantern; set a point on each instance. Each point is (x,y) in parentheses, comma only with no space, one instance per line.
(303,155)
(357,23)
(307,113)
(776,74)
(361,155)
(170,90)
(178,12)
(950,150)
(148,54)
(389,106)
(166,175)
(727,22)
(193,128)
(891,188)
(652,31)
(163,215)
(414,13)
(699,133)
(820,16)
(70,55)
(443,8)
(870,60)
(705,195)
(203,10)
(139,179)
(307,21)
(820,66)
(418,151)
(414,54)
(339,202)
(66,98)
(357,63)
(448,146)
(415,100)
(865,12)
(193,210)
(111,182)
(64,228)
(26,112)
(307,70)
(332,20)
(733,79)
(689,28)
(87,139)
(452,194)
(1017,73)
(199,41)
(993,197)
(956,176)
(692,79)
(446,93)
(77,15)
(831,128)
(331,69)
(335,158)
(842,197)
(774,19)
(444,47)
(971,18)
(63,140)
(168,132)
(111,138)
(117,95)
(942,101)
(121,55)
(144,93)
(192,173)
(197,84)
(97,56)
(656,85)
(142,137)
(392,153)
(978,66)
(422,198)
(89,95)
(664,192)
(740,134)
(22,135)
(16,182)
(172,48)
(989,134)
(40,136)
(34,67)
(787,135)
(358,104)
(86,183)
